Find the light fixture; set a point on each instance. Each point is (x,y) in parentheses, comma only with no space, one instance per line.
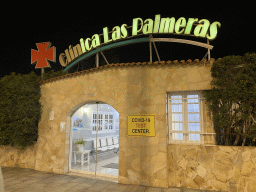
(85,110)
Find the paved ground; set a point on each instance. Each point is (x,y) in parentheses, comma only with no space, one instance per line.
(29,180)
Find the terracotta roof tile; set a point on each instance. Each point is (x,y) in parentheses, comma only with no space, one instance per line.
(189,61)
(204,60)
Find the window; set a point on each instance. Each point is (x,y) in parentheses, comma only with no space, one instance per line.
(108,121)
(105,121)
(184,117)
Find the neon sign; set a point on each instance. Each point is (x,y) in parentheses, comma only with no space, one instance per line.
(201,28)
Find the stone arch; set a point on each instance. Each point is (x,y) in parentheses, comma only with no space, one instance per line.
(68,129)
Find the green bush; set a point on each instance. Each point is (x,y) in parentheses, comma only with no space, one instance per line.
(20,109)
(52,74)
(234,83)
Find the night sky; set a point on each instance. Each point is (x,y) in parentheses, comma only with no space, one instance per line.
(66,24)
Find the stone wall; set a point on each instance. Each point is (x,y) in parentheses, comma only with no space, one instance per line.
(12,157)
(222,168)
(130,89)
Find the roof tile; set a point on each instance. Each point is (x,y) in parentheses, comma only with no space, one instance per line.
(126,64)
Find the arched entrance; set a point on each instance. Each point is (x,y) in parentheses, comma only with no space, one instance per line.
(97,123)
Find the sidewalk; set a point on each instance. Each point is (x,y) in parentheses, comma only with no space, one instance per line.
(29,180)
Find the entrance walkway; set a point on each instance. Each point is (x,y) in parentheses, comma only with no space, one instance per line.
(107,164)
(29,180)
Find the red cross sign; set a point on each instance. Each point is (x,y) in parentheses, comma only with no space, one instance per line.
(43,54)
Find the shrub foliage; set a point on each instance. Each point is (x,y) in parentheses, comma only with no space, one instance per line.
(232,99)
(20,108)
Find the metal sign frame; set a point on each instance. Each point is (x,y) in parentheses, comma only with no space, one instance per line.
(149,39)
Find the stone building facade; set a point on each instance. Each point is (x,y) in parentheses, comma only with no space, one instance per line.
(139,88)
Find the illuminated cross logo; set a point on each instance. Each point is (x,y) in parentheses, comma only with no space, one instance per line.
(43,54)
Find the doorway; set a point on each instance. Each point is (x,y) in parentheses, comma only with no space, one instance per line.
(97,124)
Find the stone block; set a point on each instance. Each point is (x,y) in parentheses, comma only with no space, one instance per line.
(201,171)
(251,184)
(206,185)
(183,163)
(192,164)
(206,160)
(223,158)
(199,180)
(238,159)
(242,183)
(189,183)
(226,149)
(247,167)
(209,176)
(161,174)
(161,157)
(235,174)
(246,155)
(162,146)
(222,171)
(172,182)
(191,173)
(232,186)
(159,183)
(219,186)
(136,164)
(134,176)
(254,161)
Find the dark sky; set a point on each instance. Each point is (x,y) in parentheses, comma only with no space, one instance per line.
(65,24)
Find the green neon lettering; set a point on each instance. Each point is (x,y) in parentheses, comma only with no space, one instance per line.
(95,40)
(124,31)
(67,55)
(135,24)
(62,60)
(82,45)
(201,29)
(181,22)
(156,23)
(167,25)
(148,26)
(213,30)
(105,34)
(71,52)
(190,23)
(77,50)
(87,46)
(116,33)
